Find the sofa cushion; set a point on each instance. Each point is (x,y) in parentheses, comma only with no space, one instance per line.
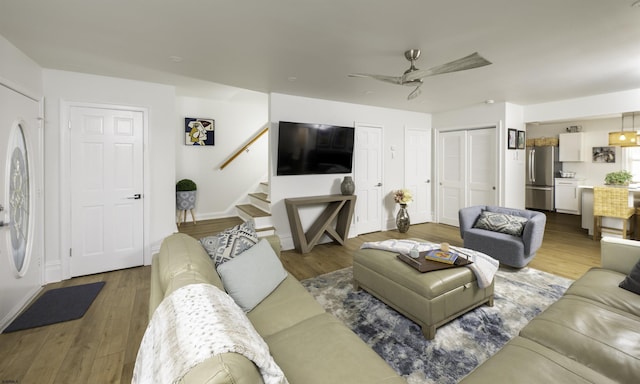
(229,243)
(632,281)
(252,275)
(601,285)
(323,350)
(500,222)
(289,304)
(523,361)
(603,338)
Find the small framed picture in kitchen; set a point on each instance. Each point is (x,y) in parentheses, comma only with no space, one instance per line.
(521,139)
(512,137)
(604,154)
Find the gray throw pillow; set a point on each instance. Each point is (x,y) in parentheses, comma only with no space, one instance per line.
(229,243)
(632,282)
(501,222)
(252,275)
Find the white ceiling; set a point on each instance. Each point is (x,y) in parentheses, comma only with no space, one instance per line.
(542,50)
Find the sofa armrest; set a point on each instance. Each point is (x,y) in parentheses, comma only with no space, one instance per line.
(533,233)
(619,255)
(467,217)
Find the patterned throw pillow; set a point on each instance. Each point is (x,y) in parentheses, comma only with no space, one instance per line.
(500,222)
(231,242)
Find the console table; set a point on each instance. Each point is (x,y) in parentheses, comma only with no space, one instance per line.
(337,206)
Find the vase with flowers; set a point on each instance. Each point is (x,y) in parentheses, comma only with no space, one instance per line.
(403,197)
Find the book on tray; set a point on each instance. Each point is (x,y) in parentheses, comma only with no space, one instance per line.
(441,256)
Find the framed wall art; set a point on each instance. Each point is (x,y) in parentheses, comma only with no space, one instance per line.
(604,154)
(512,138)
(521,139)
(199,131)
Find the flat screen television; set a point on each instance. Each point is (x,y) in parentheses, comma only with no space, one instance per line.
(311,149)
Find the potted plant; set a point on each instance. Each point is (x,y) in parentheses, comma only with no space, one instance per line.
(618,178)
(185,194)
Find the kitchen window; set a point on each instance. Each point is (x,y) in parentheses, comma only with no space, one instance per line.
(632,162)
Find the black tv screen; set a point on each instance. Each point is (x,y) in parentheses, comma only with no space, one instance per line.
(309,149)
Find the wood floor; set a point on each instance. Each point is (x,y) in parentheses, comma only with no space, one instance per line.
(101,347)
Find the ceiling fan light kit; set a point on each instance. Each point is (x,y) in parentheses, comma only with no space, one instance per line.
(414,76)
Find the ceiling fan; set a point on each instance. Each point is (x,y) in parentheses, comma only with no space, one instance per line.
(413,76)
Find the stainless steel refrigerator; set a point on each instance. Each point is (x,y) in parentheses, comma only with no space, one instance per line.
(542,168)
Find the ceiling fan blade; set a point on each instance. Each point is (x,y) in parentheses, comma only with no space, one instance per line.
(386,79)
(474,60)
(415,93)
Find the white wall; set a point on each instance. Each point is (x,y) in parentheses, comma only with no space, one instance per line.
(237,120)
(159,100)
(300,109)
(18,70)
(597,105)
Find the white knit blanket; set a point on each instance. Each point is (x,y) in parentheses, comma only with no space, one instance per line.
(193,324)
(483,266)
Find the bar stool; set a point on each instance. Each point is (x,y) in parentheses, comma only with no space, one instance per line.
(611,202)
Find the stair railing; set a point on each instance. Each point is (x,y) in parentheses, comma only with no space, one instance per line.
(264,130)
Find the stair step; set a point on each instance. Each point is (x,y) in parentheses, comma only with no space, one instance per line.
(252,210)
(261,196)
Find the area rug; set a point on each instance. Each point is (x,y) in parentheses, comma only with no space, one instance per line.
(56,306)
(460,345)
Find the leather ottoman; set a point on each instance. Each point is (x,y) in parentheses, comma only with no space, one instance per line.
(430,299)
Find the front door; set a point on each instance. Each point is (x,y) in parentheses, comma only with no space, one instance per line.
(21,218)
(106,189)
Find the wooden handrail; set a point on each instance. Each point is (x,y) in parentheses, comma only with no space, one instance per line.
(239,151)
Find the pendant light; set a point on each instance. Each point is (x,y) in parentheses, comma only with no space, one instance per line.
(622,138)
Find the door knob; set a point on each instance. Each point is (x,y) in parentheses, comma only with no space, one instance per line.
(137,196)
(379,185)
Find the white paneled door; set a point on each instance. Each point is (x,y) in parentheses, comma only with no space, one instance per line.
(106,189)
(451,187)
(368,178)
(467,171)
(482,164)
(418,173)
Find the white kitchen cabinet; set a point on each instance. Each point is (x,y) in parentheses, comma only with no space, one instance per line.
(572,147)
(568,196)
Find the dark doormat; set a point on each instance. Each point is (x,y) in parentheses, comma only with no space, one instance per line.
(56,306)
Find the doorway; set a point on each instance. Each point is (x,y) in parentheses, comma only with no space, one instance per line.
(467,171)
(368,178)
(106,182)
(21,201)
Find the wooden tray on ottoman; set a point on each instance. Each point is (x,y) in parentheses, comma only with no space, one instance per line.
(423,265)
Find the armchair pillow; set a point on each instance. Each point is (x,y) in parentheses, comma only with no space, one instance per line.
(252,275)
(229,243)
(632,281)
(501,222)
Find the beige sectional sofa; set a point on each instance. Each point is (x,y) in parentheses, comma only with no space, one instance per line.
(590,335)
(310,345)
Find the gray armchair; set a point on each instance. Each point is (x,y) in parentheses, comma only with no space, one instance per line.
(510,249)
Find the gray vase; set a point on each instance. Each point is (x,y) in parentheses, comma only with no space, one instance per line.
(348,187)
(402,219)
(185,200)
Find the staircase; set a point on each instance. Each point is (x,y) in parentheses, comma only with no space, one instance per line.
(258,211)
